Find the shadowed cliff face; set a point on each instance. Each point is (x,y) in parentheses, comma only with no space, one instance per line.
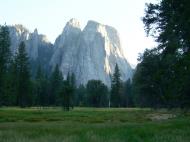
(39,49)
(91,53)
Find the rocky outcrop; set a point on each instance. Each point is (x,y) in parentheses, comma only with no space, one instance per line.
(66,48)
(91,53)
(17,33)
(39,49)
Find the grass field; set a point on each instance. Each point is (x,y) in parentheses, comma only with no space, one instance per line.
(93,125)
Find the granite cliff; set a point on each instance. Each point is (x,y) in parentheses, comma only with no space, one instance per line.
(91,53)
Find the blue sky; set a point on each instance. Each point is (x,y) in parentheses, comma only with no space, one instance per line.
(50,17)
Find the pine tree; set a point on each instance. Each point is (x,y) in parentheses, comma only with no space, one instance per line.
(97,93)
(80,96)
(23,77)
(73,87)
(56,80)
(67,92)
(162,79)
(11,85)
(4,60)
(116,88)
(39,87)
(127,97)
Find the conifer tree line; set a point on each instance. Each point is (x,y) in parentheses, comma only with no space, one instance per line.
(19,88)
(161,79)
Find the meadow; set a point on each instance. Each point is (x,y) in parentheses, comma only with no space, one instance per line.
(93,125)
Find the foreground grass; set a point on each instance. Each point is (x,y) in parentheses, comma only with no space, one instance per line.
(92,125)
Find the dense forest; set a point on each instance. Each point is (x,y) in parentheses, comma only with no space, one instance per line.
(161,79)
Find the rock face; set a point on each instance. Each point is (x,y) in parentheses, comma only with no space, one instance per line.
(91,53)
(39,49)
(17,33)
(66,48)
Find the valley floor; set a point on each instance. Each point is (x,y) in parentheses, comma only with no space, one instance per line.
(93,125)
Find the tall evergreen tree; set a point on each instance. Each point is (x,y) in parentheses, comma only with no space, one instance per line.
(73,87)
(80,96)
(161,77)
(38,87)
(23,77)
(97,93)
(127,98)
(148,83)
(41,88)
(11,85)
(56,80)
(4,60)
(116,88)
(67,92)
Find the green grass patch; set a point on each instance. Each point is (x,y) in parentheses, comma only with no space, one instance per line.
(93,125)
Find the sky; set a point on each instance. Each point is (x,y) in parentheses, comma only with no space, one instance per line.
(50,17)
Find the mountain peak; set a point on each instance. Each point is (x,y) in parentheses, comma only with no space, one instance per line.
(91,53)
(35,31)
(74,23)
(92,25)
(92,22)
(20,28)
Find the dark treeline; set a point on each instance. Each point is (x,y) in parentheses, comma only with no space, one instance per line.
(19,88)
(161,79)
